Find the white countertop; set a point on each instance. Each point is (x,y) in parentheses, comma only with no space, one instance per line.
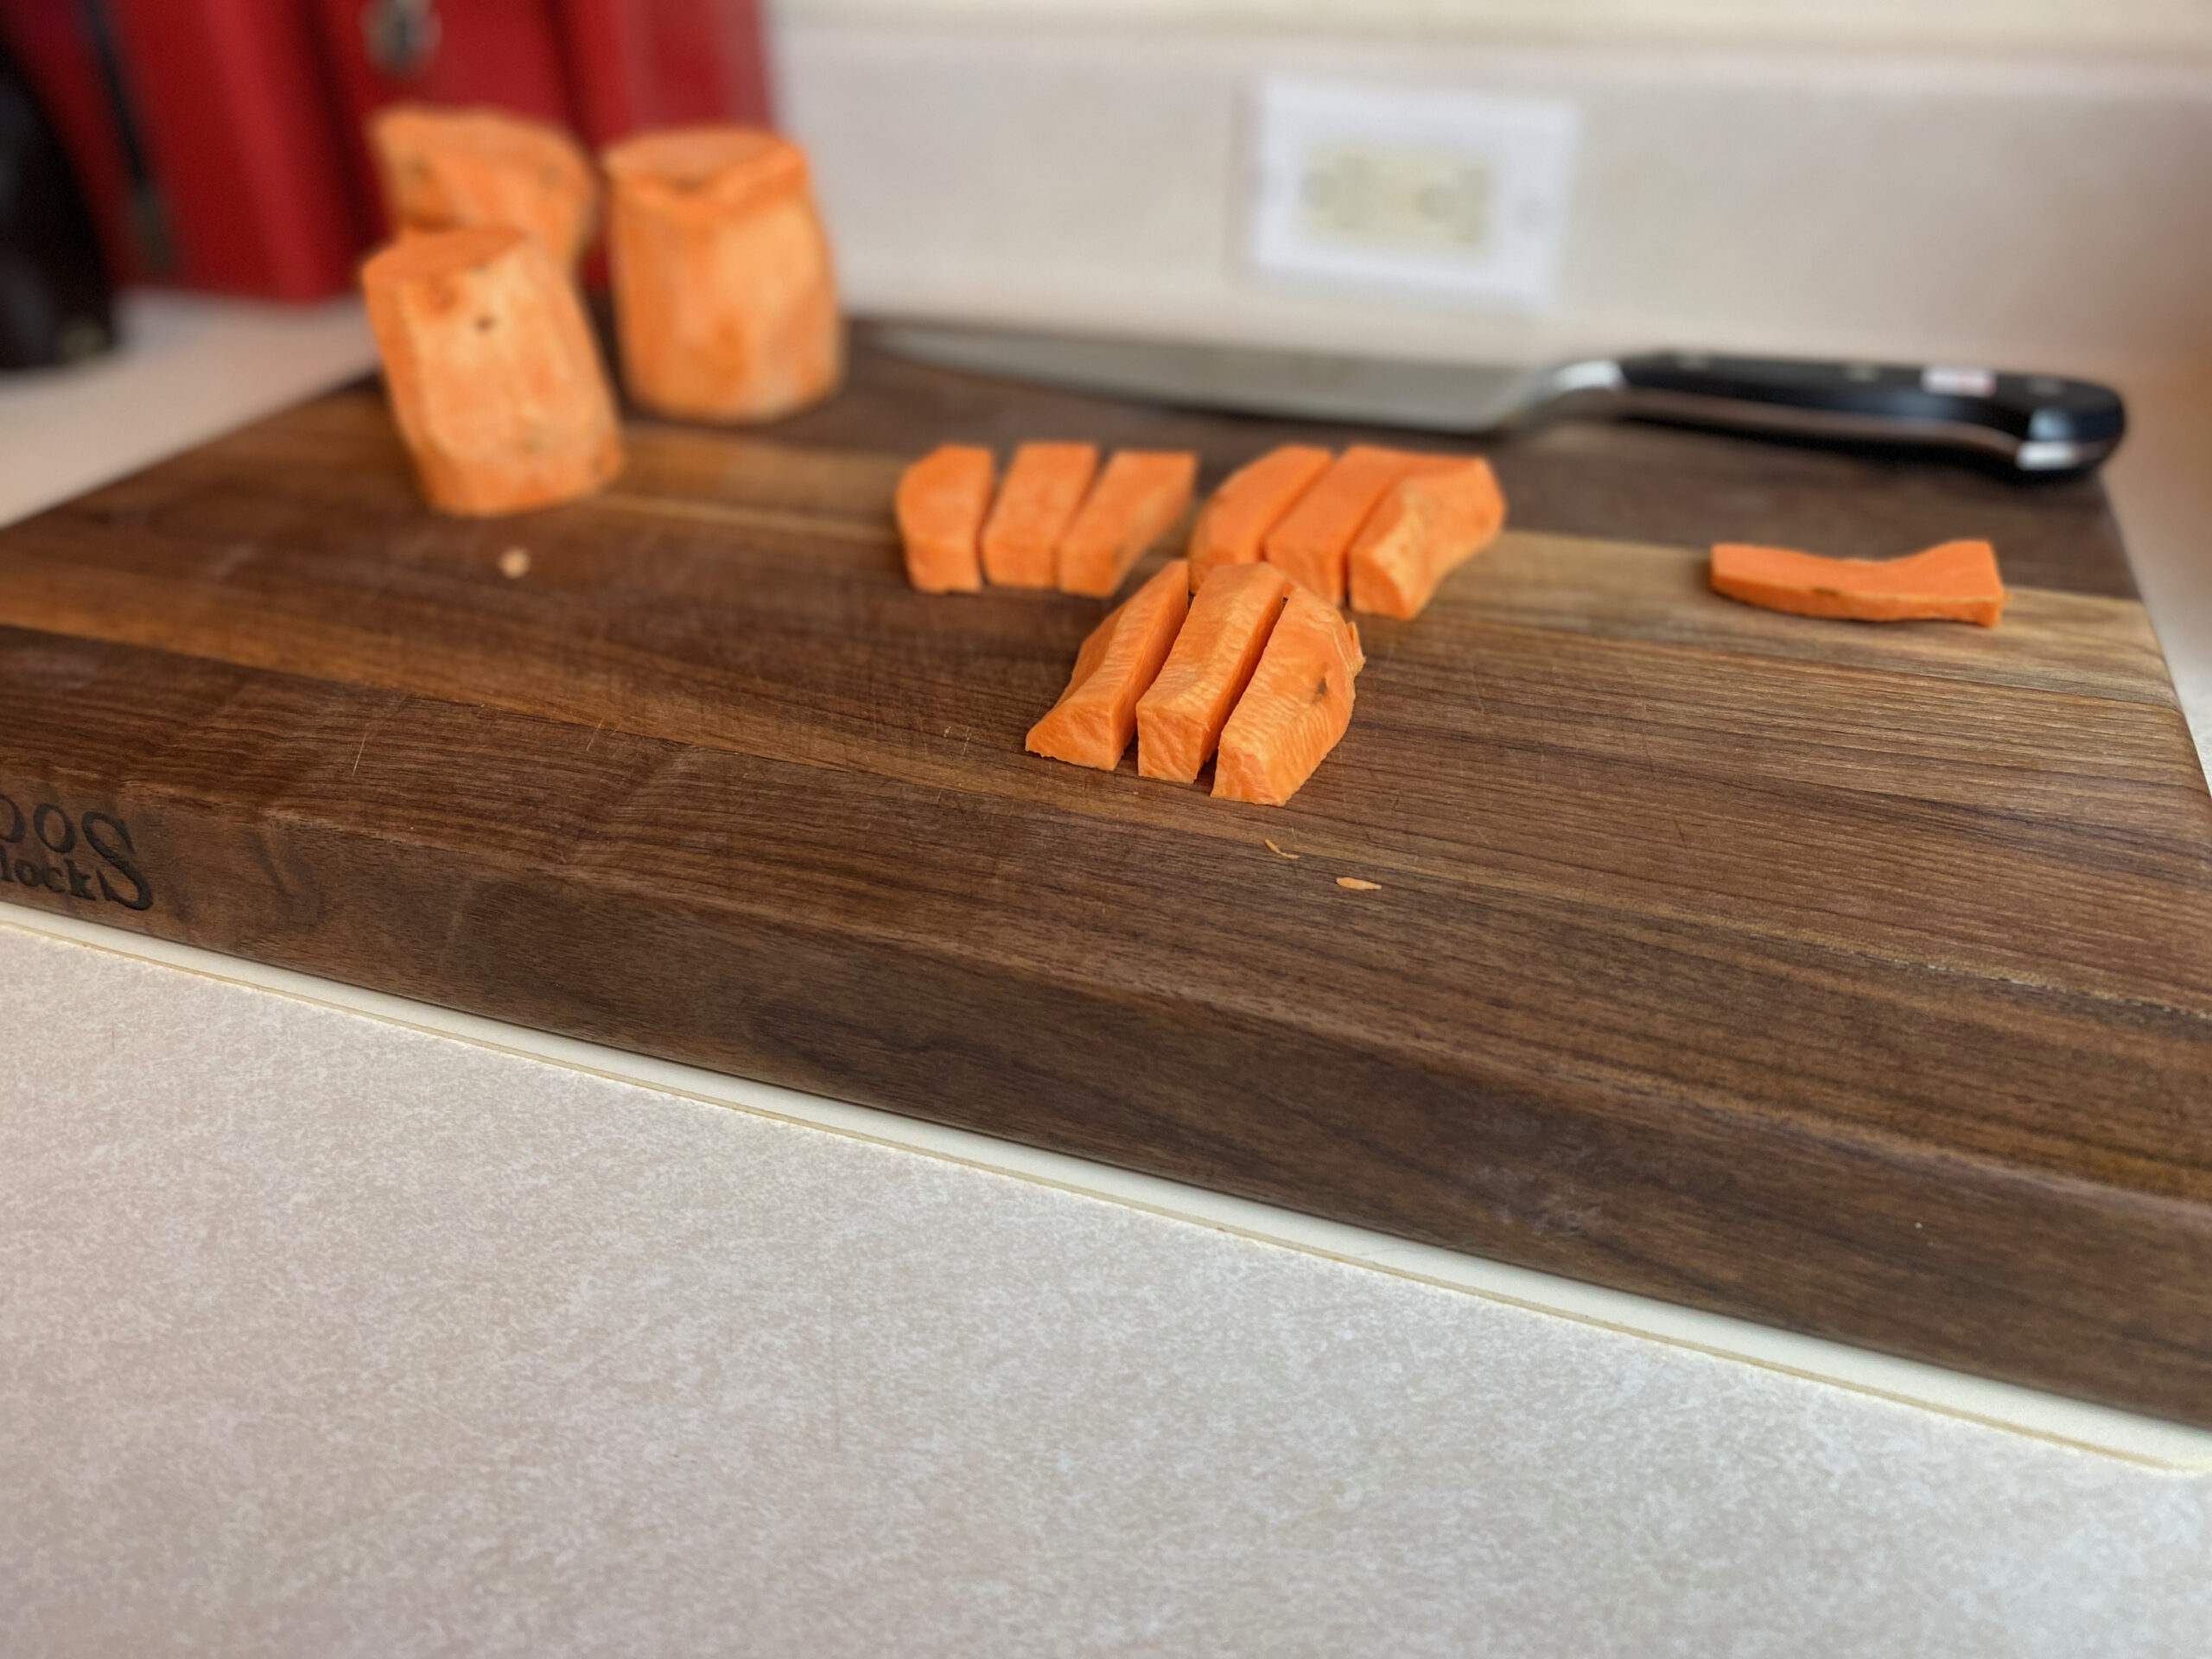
(330,1323)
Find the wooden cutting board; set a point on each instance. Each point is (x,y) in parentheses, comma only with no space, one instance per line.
(1854,980)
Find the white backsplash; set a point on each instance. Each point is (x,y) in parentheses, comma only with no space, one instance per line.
(2045,213)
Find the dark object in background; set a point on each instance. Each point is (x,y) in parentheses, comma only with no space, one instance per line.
(56,303)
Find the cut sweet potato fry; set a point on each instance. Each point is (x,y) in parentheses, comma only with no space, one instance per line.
(1135,501)
(1179,719)
(1426,526)
(493,376)
(723,296)
(1248,504)
(1953,581)
(940,505)
(444,169)
(1096,716)
(1295,709)
(1044,486)
(1312,540)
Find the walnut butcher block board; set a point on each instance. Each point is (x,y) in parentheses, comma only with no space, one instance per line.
(1853,980)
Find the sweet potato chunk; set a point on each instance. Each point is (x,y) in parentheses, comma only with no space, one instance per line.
(1425,526)
(1296,708)
(940,506)
(1043,487)
(1179,719)
(723,296)
(444,169)
(1096,716)
(1954,582)
(1250,502)
(1135,501)
(1312,540)
(493,376)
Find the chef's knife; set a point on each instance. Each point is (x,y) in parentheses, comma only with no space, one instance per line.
(2036,422)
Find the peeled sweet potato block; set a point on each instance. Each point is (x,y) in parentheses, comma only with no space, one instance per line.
(1179,719)
(1043,487)
(494,379)
(1296,707)
(1248,504)
(940,506)
(1095,717)
(1954,582)
(1311,543)
(444,169)
(1136,500)
(724,302)
(1426,526)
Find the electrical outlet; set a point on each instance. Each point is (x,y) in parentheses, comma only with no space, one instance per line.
(1446,196)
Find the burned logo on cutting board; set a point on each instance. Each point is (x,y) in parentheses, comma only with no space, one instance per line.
(88,856)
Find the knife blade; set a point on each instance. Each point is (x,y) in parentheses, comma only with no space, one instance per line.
(2038,423)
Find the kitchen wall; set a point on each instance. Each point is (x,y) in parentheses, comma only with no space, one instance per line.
(2027,182)
(2158,27)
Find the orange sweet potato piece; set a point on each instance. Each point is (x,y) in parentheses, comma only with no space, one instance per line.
(1179,719)
(1296,707)
(1426,526)
(1953,581)
(1135,501)
(493,376)
(723,296)
(940,505)
(1043,487)
(1313,538)
(1248,504)
(1096,716)
(443,170)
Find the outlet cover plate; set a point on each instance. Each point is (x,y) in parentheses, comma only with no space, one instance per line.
(1449,196)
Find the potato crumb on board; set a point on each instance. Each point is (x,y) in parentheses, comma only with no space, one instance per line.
(1358,886)
(514,563)
(1276,850)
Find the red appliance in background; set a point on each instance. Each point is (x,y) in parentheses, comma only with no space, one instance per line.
(638,64)
(219,141)
(235,114)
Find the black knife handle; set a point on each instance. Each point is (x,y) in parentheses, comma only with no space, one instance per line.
(2039,423)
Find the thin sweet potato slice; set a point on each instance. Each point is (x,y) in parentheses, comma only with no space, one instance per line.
(723,297)
(1312,540)
(1296,707)
(1043,488)
(444,169)
(940,506)
(1952,581)
(1096,716)
(1136,500)
(1425,526)
(493,376)
(1179,719)
(1250,502)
